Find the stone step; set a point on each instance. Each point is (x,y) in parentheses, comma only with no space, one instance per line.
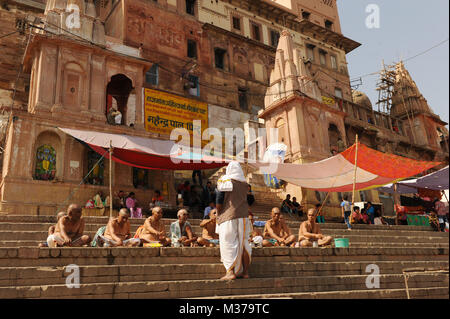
(206,287)
(140,221)
(33,256)
(35,243)
(31,276)
(414,293)
(43,227)
(42,236)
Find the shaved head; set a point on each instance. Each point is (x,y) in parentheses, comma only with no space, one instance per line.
(60,214)
(182,212)
(157,209)
(73,208)
(124,212)
(74,212)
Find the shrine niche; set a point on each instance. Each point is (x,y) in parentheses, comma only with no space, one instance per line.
(45,163)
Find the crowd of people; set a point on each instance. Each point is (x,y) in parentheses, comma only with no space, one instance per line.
(69,231)
(433,209)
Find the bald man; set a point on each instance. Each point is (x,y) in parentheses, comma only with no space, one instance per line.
(154,230)
(209,236)
(117,232)
(69,230)
(309,232)
(181,233)
(276,232)
(51,229)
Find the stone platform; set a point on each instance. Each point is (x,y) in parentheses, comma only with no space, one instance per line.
(27,271)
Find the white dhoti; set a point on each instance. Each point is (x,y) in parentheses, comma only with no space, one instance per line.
(112,243)
(54,240)
(233,240)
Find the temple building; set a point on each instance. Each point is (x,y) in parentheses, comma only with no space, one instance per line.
(125,66)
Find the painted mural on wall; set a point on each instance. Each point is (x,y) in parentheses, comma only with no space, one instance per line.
(45,163)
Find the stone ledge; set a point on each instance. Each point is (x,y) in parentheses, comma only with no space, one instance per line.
(38,253)
(197,288)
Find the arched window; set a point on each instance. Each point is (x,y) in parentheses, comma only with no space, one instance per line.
(280,125)
(117,93)
(45,163)
(336,143)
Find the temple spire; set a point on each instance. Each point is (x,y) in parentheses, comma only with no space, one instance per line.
(290,74)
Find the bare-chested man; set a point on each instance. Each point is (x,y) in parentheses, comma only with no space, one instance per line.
(51,229)
(154,230)
(309,232)
(117,231)
(209,236)
(276,232)
(69,230)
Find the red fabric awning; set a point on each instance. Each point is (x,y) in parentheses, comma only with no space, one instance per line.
(145,153)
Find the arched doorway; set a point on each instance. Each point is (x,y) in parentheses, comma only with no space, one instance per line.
(281,126)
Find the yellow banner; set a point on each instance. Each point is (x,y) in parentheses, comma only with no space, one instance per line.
(328,100)
(165,112)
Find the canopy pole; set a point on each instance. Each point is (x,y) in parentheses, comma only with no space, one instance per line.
(354,175)
(110,179)
(443,192)
(395,202)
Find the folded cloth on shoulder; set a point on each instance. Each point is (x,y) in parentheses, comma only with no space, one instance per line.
(224,184)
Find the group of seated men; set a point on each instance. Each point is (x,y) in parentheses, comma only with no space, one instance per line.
(277,233)
(69,229)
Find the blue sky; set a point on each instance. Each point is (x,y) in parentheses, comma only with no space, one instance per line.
(407,27)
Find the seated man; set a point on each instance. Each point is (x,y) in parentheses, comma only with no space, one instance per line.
(157,198)
(364,217)
(309,232)
(286,206)
(434,221)
(276,232)
(117,232)
(256,238)
(208,209)
(298,209)
(69,230)
(153,229)
(119,200)
(51,229)
(114,117)
(379,220)
(209,236)
(181,231)
(356,216)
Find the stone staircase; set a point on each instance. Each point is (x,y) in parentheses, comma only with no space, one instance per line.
(27,271)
